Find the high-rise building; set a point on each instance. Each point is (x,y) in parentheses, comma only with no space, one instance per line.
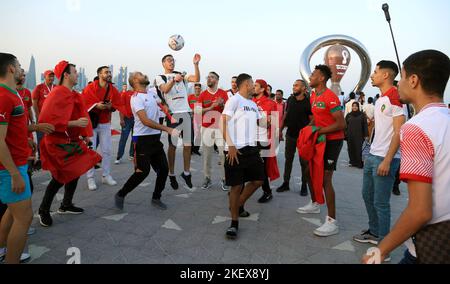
(82,79)
(30,82)
(122,77)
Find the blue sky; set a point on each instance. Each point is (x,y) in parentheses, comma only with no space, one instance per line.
(261,37)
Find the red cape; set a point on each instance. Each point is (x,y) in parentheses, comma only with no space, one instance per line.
(91,96)
(313,151)
(63,153)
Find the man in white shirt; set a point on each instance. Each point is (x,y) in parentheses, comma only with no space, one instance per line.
(173,86)
(349,105)
(149,149)
(369,110)
(425,161)
(381,165)
(243,163)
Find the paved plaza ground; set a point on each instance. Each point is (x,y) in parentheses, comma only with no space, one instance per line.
(192,230)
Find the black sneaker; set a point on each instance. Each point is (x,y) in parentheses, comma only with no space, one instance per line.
(232,233)
(159,204)
(243,213)
(45,218)
(265,198)
(283,188)
(70,210)
(173,182)
(396,191)
(304,191)
(187,179)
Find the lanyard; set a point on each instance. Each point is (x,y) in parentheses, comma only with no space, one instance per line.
(49,89)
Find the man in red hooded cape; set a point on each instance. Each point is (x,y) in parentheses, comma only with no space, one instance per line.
(63,152)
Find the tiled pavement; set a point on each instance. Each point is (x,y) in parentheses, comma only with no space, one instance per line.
(192,230)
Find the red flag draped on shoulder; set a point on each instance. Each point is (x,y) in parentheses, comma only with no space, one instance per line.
(63,153)
(94,94)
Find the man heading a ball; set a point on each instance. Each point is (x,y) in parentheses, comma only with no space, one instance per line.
(173,86)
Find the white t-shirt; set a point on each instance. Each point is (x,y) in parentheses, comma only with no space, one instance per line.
(426,155)
(146,102)
(177,98)
(369,110)
(230,94)
(243,124)
(387,107)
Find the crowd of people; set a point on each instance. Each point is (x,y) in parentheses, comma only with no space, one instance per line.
(245,126)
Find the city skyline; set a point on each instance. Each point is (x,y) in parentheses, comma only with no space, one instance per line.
(262,38)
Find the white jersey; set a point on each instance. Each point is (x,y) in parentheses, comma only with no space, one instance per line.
(243,125)
(147,102)
(177,98)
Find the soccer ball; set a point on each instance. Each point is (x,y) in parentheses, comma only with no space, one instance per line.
(176,42)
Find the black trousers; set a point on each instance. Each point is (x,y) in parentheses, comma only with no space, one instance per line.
(149,154)
(52,189)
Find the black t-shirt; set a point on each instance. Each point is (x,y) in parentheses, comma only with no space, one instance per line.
(297,116)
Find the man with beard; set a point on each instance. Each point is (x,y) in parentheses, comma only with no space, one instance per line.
(15,190)
(213,101)
(101,99)
(298,115)
(149,149)
(39,95)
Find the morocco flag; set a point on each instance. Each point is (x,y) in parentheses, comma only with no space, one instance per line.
(63,153)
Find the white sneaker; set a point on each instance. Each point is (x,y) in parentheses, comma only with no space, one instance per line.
(91,184)
(311,208)
(117,162)
(23,258)
(109,181)
(330,228)
(31,231)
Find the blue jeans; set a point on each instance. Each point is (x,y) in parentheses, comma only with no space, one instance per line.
(129,124)
(376,193)
(408,258)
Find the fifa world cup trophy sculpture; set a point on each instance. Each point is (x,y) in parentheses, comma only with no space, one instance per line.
(338,58)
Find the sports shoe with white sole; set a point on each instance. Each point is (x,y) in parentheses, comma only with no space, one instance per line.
(109,181)
(329,228)
(311,208)
(31,231)
(366,237)
(224,186)
(23,258)
(207,184)
(91,184)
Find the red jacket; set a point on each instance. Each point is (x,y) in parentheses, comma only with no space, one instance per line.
(312,149)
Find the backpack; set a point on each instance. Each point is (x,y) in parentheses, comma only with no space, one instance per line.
(158,91)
